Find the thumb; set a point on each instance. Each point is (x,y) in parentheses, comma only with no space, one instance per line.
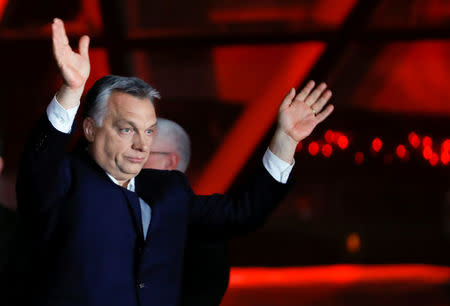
(83,46)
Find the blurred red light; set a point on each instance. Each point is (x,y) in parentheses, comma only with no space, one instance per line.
(434,159)
(427,142)
(327,150)
(359,158)
(446,145)
(377,144)
(299,147)
(414,140)
(445,158)
(342,142)
(427,153)
(330,136)
(313,148)
(401,151)
(353,243)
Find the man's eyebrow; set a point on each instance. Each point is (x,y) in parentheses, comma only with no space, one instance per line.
(126,121)
(134,125)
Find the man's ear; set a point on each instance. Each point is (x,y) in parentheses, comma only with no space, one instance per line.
(89,129)
(172,161)
(2,164)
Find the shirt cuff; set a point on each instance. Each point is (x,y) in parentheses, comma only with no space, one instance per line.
(278,169)
(61,118)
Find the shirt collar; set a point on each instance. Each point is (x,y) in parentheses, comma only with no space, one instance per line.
(131,185)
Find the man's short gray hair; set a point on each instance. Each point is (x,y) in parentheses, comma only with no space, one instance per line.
(172,134)
(97,97)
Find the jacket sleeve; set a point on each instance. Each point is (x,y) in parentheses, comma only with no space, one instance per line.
(225,215)
(44,173)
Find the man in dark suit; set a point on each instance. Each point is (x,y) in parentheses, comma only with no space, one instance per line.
(102,232)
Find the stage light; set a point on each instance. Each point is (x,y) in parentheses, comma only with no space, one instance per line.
(434,160)
(353,243)
(327,150)
(414,140)
(445,158)
(401,151)
(330,136)
(359,158)
(427,153)
(342,142)
(427,142)
(377,144)
(313,148)
(446,145)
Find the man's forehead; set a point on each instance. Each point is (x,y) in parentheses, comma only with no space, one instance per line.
(127,107)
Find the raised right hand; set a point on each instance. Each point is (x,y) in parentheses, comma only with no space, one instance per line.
(74,67)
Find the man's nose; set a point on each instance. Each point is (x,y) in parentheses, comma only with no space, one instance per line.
(141,142)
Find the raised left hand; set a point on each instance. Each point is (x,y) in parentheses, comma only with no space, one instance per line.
(298,115)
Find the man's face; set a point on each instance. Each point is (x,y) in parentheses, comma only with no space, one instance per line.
(122,143)
(159,157)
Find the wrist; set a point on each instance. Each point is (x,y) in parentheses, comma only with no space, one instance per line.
(283,146)
(69,97)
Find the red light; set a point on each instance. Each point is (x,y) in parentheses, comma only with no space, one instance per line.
(353,243)
(445,158)
(299,147)
(359,158)
(401,151)
(446,145)
(342,142)
(330,136)
(434,159)
(427,153)
(414,140)
(427,142)
(313,148)
(327,150)
(377,144)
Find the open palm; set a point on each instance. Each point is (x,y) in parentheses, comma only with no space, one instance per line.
(74,67)
(299,115)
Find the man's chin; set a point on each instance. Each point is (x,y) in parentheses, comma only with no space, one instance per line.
(133,169)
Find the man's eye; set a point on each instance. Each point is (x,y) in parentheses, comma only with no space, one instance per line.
(149,132)
(125,130)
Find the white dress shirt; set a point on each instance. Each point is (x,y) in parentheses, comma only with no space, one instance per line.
(62,120)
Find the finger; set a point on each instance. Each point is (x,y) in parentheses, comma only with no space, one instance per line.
(59,33)
(287,99)
(305,91)
(83,46)
(324,98)
(316,93)
(325,113)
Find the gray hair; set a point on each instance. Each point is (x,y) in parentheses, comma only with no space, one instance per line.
(97,97)
(172,134)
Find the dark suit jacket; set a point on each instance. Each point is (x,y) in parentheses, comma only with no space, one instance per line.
(84,233)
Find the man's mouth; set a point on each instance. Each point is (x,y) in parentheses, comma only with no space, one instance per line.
(135,160)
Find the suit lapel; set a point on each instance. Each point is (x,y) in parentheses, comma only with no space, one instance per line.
(148,189)
(135,209)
